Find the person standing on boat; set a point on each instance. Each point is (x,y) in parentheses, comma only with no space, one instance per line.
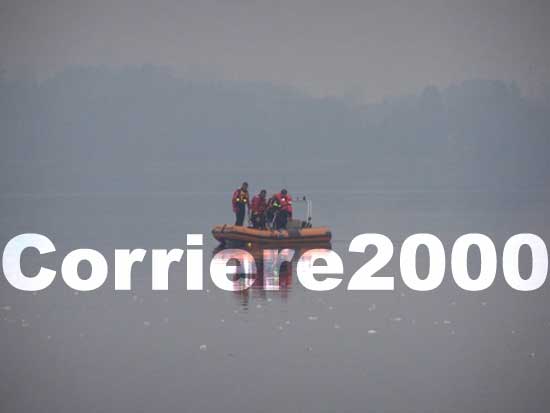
(283,203)
(258,209)
(271,210)
(240,202)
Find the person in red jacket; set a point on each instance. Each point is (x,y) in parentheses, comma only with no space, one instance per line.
(283,203)
(258,209)
(240,203)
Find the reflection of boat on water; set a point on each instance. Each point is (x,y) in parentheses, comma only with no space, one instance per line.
(269,271)
(254,271)
(259,268)
(270,274)
(298,233)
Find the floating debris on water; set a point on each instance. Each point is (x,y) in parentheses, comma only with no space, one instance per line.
(24,324)
(336,326)
(312,318)
(309,348)
(372,331)
(453,303)
(202,347)
(147,324)
(280,327)
(287,322)
(396,319)
(483,303)
(372,307)
(258,306)
(330,307)
(6,308)
(447,322)
(532,355)
(269,299)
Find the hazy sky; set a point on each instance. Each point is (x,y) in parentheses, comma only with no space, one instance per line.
(365,48)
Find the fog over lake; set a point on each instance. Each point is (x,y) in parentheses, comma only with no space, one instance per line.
(138,158)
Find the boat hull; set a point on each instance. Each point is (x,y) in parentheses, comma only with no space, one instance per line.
(303,236)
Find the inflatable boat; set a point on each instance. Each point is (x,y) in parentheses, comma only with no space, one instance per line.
(285,237)
(297,234)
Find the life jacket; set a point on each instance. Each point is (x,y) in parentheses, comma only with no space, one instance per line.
(259,205)
(284,202)
(273,202)
(240,196)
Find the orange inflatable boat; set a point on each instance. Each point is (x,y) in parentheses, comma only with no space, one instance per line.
(298,236)
(298,233)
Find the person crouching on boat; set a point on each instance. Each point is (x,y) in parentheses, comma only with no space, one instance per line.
(283,203)
(240,202)
(258,209)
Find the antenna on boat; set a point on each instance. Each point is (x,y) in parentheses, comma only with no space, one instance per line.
(309,210)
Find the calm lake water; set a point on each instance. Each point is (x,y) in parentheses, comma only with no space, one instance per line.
(291,350)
